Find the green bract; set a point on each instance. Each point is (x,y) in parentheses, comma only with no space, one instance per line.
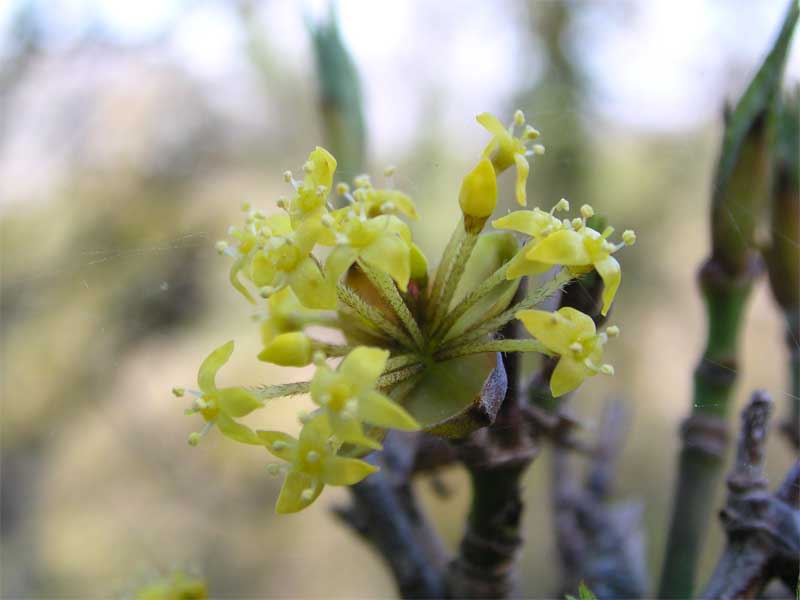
(418,350)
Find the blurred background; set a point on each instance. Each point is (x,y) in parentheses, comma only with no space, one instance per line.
(131,132)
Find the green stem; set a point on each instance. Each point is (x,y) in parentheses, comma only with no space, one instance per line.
(541,293)
(390,379)
(465,249)
(443,269)
(372,315)
(388,290)
(267,392)
(475,296)
(400,361)
(494,346)
(701,457)
(331,350)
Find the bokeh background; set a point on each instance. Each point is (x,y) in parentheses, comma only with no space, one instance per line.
(130,133)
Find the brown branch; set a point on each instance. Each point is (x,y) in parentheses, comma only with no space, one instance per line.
(496,458)
(763,530)
(385,512)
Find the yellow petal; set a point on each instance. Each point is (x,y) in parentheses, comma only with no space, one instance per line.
(323,166)
(529,222)
(555,332)
(291,349)
(567,376)
(236,268)
(492,124)
(390,254)
(338,470)
(339,261)
(363,366)
(236,431)
(291,497)
(311,288)
(284,449)
(237,402)
(208,370)
(582,324)
(377,409)
(351,431)
(522,178)
(520,266)
(612,276)
(564,247)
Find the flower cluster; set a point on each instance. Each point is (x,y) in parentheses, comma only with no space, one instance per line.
(341,258)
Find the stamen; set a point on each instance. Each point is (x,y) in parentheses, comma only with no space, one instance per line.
(279,445)
(274,469)
(587,212)
(607,369)
(245,206)
(576,347)
(312,456)
(519,118)
(362,181)
(612,331)
(178,392)
(221,246)
(307,494)
(538,149)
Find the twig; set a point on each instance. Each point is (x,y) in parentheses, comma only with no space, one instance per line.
(763,530)
(386,514)
(496,458)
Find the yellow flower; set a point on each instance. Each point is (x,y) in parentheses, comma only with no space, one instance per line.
(286,260)
(349,398)
(537,224)
(382,242)
(572,336)
(383,201)
(313,464)
(220,406)
(584,248)
(249,240)
(505,150)
(309,202)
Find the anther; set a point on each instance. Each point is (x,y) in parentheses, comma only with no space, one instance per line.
(389,171)
(519,118)
(587,212)
(327,220)
(629,237)
(577,223)
(279,445)
(612,331)
(194,438)
(531,133)
(287,176)
(274,469)
(362,181)
(576,347)
(312,456)
(178,392)
(245,206)
(607,369)
(342,189)
(221,246)
(538,149)
(306,495)
(561,205)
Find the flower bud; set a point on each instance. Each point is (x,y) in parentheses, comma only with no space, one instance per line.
(288,350)
(478,195)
